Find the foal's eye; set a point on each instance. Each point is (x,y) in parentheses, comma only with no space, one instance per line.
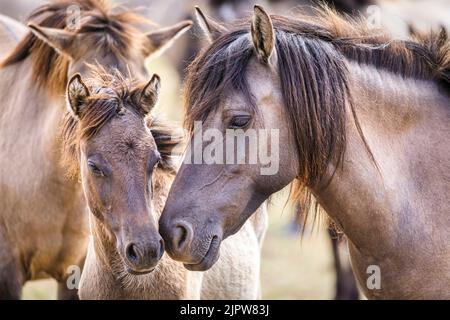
(94,168)
(239,122)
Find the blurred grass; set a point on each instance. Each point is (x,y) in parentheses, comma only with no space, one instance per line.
(40,290)
(292,268)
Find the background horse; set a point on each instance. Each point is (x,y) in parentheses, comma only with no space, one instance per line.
(37,198)
(125,160)
(367,135)
(11,32)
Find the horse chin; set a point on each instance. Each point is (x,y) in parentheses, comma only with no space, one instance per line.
(140,272)
(136,272)
(210,258)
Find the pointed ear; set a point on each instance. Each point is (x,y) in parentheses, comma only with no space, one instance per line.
(161,39)
(58,39)
(149,95)
(443,35)
(211,29)
(170,140)
(77,94)
(412,31)
(263,34)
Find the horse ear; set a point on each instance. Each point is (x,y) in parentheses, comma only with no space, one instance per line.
(77,94)
(413,33)
(150,94)
(263,34)
(170,140)
(161,39)
(211,29)
(443,35)
(58,39)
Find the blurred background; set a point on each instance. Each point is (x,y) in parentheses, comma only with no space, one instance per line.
(293,267)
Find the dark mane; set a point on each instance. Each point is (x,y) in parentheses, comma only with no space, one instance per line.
(312,55)
(49,67)
(112,92)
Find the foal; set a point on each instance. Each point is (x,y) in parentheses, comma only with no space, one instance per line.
(124,158)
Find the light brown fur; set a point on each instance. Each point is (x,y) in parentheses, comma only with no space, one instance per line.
(114,221)
(367,135)
(43,224)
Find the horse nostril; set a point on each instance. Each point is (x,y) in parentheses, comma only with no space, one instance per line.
(182,236)
(161,248)
(132,253)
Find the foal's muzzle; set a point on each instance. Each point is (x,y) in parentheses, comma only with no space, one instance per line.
(142,256)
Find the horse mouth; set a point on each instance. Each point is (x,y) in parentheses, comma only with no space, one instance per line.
(140,272)
(209,259)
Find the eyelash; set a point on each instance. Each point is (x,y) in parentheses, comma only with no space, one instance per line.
(94,169)
(232,125)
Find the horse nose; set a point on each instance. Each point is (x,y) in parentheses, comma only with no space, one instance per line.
(178,237)
(182,236)
(144,256)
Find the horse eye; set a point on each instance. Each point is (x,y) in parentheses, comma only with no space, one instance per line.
(239,122)
(94,168)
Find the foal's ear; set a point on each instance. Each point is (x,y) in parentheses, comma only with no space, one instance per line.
(58,39)
(149,95)
(77,94)
(211,29)
(161,39)
(263,34)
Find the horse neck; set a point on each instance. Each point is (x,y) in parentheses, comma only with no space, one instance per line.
(403,121)
(36,103)
(28,108)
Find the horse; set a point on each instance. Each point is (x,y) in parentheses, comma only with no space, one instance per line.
(125,159)
(363,120)
(229,10)
(38,198)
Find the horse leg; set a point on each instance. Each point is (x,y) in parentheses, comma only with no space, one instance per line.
(64,293)
(10,282)
(11,277)
(346,286)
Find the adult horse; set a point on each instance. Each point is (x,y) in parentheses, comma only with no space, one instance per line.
(124,158)
(229,10)
(364,124)
(43,227)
